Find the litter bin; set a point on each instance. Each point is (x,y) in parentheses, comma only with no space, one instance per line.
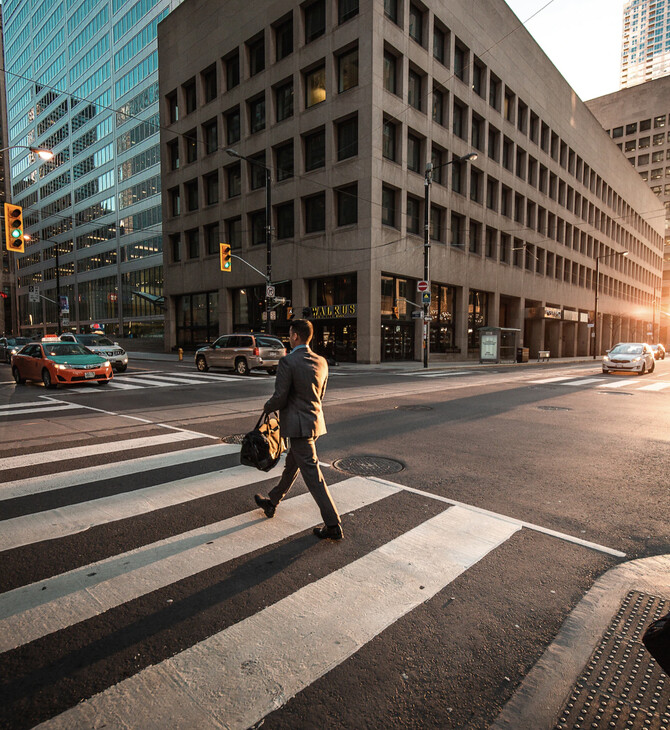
(522,354)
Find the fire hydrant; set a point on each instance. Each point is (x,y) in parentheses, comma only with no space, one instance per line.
(181,354)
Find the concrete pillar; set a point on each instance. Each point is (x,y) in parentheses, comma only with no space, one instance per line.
(583,339)
(369,295)
(494,310)
(462,297)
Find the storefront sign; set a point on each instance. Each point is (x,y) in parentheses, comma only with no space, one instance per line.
(333,311)
(570,316)
(551,313)
(583,316)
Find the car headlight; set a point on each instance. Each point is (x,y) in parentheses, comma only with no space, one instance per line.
(105,364)
(606,357)
(14,351)
(62,367)
(637,359)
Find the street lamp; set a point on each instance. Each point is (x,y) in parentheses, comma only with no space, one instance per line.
(595,304)
(42,152)
(268,230)
(428,179)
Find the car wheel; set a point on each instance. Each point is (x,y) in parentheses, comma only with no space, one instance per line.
(121,368)
(17,376)
(606,372)
(241,367)
(644,369)
(272,371)
(46,379)
(653,366)
(201,364)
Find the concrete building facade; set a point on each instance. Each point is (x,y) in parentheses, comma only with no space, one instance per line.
(82,81)
(638,120)
(345,104)
(645,46)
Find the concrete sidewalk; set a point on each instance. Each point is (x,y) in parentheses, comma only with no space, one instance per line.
(597,673)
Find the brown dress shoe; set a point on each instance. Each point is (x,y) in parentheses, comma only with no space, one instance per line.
(332,533)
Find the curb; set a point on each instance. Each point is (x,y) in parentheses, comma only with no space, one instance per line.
(538,701)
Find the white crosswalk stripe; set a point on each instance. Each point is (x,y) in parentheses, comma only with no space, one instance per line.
(236,674)
(20,409)
(159,379)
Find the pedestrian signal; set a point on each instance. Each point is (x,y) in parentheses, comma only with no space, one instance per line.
(226,257)
(14,238)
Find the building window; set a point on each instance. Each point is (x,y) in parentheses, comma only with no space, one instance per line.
(461,62)
(413,215)
(346,10)
(491,243)
(173,154)
(477,130)
(655,157)
(232,70)
(285,220)
(438,106)
(415,24)
(284,38)
(347,70)
(191,140)
(212,188)
(644,143)
(475,237)
(191,192)
(212,238)
(315,86)
(494,143)
(234,232)
(257,114)
(173,108)
(256,51)
(257,171)
(284,100)
(436,227)
(389,140)
(479,78)
(645,125)
(457,231)
(175,248)
(192,243)
(491,193)
(315,213)
(659,121)
(175,201)
(232,119)
(190,101)
(347,205)
(211,135)
(234,179)
(209,83)
(414,90)
(460,120)
(436,159)
(658,139)
(315,20)
(494,91)
(476,185)
(390,67)
(438,44)
(618,132)
(388,206)
(457,176)
(315,150)
(257,227)
(391,10)
(284,161)
(347,138)
(413,153)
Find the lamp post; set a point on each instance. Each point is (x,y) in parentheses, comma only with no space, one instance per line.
(268,230)
(595,304)
(428,180)
(42,152)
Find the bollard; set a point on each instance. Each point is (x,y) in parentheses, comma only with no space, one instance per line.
(181,354)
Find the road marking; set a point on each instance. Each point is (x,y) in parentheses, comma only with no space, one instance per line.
(33,611)
(615,384)
(277,652)
(207,376)
(115,470)
(437,373)
(74,518)
(586,381)
(511,520)
(122,386)
(655,386)
(22,408)
(81,452)
(551,380)
(156,382)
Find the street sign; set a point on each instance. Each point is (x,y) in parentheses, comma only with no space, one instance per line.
(269,291)
(33,293)
(428,319)
(65,304)
(425,297)
(417,314)
(65,322)
(423,286)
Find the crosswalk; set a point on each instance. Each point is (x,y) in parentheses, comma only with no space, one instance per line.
(159,379)
(148,591)
(605,382)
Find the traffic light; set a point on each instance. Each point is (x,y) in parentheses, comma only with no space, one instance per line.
(395,312)
(226,258)
(4,295)
(14,228)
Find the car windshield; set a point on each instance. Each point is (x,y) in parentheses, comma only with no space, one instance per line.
(627,350)
(269,342)
(65,348)
(18,341)
(94,340)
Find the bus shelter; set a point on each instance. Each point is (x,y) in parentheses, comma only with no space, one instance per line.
(498,344)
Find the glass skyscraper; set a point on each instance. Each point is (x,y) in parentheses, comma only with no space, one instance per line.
(645,49)
(82,81)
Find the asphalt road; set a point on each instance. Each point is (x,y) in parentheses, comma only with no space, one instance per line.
(516,488)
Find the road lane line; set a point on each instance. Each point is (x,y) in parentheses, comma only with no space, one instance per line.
(39,409)
(655,386)
(33,611)
(115,470)
(511,520)
(615,384)
(281,650)
(551,380)
(586,381)
(81,452)
(154,381)
(74,518)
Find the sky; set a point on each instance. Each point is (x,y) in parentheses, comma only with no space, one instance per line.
(581,37)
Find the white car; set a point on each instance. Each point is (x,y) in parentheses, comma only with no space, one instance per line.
(629,357)
(103,346)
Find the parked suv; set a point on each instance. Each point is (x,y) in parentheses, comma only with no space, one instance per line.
(242,352)
(103,346)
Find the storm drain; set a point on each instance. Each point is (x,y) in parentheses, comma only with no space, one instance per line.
(368,466)
(235,438)
(622,686)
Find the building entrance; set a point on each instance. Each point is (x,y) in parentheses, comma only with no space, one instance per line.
(397,341)
(335,340)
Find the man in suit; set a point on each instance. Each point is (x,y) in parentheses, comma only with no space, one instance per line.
(299,389)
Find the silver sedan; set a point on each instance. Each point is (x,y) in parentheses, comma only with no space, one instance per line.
(629,357)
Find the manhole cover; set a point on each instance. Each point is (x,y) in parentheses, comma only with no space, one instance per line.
(622,686)
(553,408)
(414,408)
(368,466)
(236,438)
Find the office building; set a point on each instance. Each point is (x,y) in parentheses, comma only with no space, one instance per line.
(82,81)
(645,48)
(638,121)
(345,104)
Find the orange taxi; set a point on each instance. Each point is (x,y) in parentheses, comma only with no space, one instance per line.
(59,363)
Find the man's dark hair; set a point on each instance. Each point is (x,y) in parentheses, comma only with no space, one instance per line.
(303,328)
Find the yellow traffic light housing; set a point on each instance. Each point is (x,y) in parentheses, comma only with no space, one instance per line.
(14,237)
(226,257)
(395,312)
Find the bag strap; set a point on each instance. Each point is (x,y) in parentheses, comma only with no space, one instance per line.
(265,417)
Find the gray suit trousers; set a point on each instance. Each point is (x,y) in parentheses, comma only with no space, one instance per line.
(302,457)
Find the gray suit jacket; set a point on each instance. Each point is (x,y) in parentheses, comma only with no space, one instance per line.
(299,389)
